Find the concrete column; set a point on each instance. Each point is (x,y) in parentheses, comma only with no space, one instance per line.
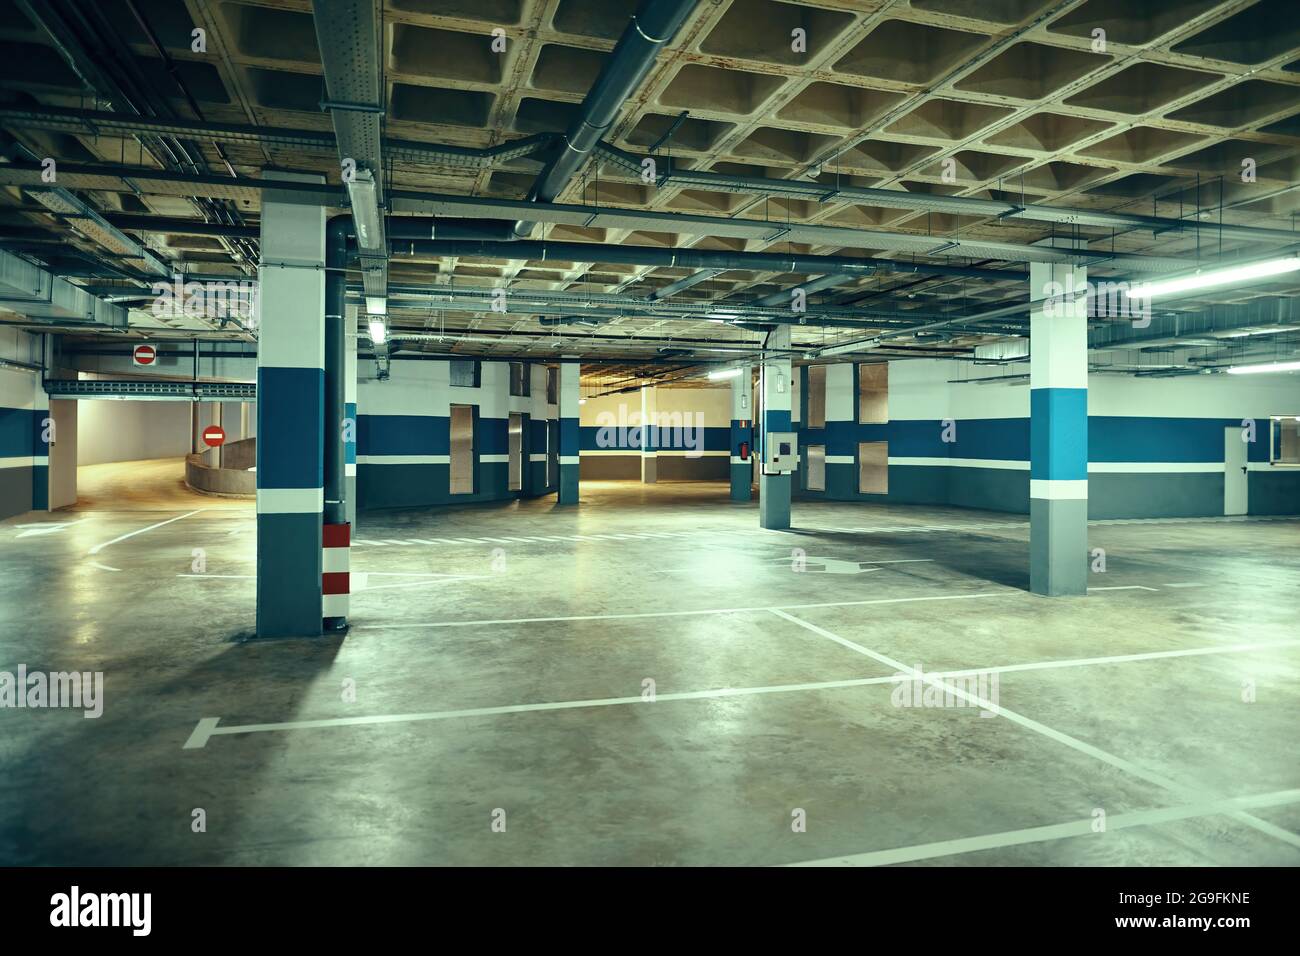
(1058,430)
(290,413)
(569,394)
(742,431)
(774,490)
(649,437)
(43,431)
(350,413)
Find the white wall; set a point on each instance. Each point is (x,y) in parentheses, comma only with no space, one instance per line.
(109,430)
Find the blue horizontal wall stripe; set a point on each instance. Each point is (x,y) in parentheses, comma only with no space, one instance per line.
(403,435)
(290,427)
(1058,434)
(16,433)
(493,436)
(1114,438)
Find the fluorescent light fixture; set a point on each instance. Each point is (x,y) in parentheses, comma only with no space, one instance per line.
(378,331)
(724,373)
(365,208)
(582,401)
(1205,280)
(1266,367)
(376,305)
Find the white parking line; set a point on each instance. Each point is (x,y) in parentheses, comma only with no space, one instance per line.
(100,547)
(1009,592)
(1058,831)
(1074,743)
(209,726)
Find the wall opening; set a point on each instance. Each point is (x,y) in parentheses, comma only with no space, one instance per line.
(815,473)
(817,396)
(873,468)
(873,394)
(461,481)
(516,449)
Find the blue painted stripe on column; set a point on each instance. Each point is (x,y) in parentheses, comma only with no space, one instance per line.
(350,447)
(569,431)
(403,435)
(777,420)
(40,487)
(290,427)
(1058,434)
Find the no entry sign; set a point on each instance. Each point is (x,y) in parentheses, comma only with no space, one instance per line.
(144,355)
(214,435)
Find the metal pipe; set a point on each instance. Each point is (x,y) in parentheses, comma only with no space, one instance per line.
(691,258)
(653,25)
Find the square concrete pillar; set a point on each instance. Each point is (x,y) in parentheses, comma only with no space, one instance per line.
(774,490)
(350,415)
(1058,429)
(290,413)
(569,395)
(742,433)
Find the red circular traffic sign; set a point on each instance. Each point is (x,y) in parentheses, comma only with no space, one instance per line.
(214,435)
(144,355)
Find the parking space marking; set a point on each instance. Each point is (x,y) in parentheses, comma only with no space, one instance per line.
(100,547)
(1058,831)
(1074,743)
(207,726)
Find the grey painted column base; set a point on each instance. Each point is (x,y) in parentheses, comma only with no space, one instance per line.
(568,491)
(1058,546)
(649,469)
(289,575)
(774,502)
(741,480)
(350,501)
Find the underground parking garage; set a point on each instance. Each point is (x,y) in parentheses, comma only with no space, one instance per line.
(744,433)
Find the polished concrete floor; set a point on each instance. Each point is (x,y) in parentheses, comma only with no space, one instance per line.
(147,485)
(489,705)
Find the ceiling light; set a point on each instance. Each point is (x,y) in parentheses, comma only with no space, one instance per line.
(365,208)
(376,305)
(1266,367)
(724,373)
(1216,277)
(378,332)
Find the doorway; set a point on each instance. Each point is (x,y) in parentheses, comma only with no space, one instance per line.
(515,481)
(462,450)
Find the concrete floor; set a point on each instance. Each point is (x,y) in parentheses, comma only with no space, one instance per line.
(148,485)
(498,657)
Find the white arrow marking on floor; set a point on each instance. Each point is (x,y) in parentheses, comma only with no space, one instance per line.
(35,530)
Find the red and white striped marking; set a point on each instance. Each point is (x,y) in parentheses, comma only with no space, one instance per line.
(335,579)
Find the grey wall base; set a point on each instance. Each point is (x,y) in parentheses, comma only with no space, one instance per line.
(742,478)
(288,575)
(1058,546)
(774,502)
(649,469)
(568,492)
(15,491)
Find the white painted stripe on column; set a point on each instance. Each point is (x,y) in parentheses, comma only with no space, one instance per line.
(1058,490)
(290,501)
(350,470)
(537,458)
(494,459)
(334,605)
(569,459)
(334,560)
(403,459)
